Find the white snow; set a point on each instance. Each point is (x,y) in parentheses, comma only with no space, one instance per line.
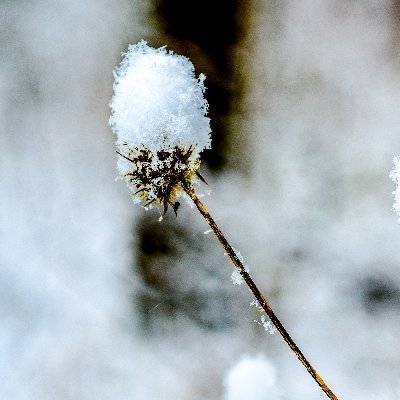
(395,176)
(236,276)
(268,325)
(158,101)
(252,377)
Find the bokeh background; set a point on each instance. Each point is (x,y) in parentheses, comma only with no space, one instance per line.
(98,300)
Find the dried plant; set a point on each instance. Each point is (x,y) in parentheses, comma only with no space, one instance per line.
(159,115)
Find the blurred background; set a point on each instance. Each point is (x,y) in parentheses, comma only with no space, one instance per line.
(98,300)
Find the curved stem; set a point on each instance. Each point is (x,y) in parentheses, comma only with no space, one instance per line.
(259,297)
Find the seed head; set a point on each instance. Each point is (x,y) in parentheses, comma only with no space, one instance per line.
(158,113)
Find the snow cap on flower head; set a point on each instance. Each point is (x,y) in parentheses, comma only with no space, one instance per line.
(158,113)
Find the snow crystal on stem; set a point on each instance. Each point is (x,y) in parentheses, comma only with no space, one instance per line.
(395,176)
(236,276)
(268,325)
(255,303)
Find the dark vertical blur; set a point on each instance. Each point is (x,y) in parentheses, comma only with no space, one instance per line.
(178,282)
(206,32)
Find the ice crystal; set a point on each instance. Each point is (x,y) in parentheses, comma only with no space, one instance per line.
(255,303)
(268,325)
(395,176)
(236,276)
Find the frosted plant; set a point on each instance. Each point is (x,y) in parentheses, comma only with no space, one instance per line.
(159,115)
(395,176)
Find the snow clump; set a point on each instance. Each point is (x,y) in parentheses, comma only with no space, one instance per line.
(252,377)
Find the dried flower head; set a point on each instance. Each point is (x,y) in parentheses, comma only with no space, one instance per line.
(158,113)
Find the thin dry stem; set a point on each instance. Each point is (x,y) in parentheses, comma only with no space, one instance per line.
(259,297)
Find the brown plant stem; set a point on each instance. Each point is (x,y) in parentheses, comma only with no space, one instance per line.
(259,297)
